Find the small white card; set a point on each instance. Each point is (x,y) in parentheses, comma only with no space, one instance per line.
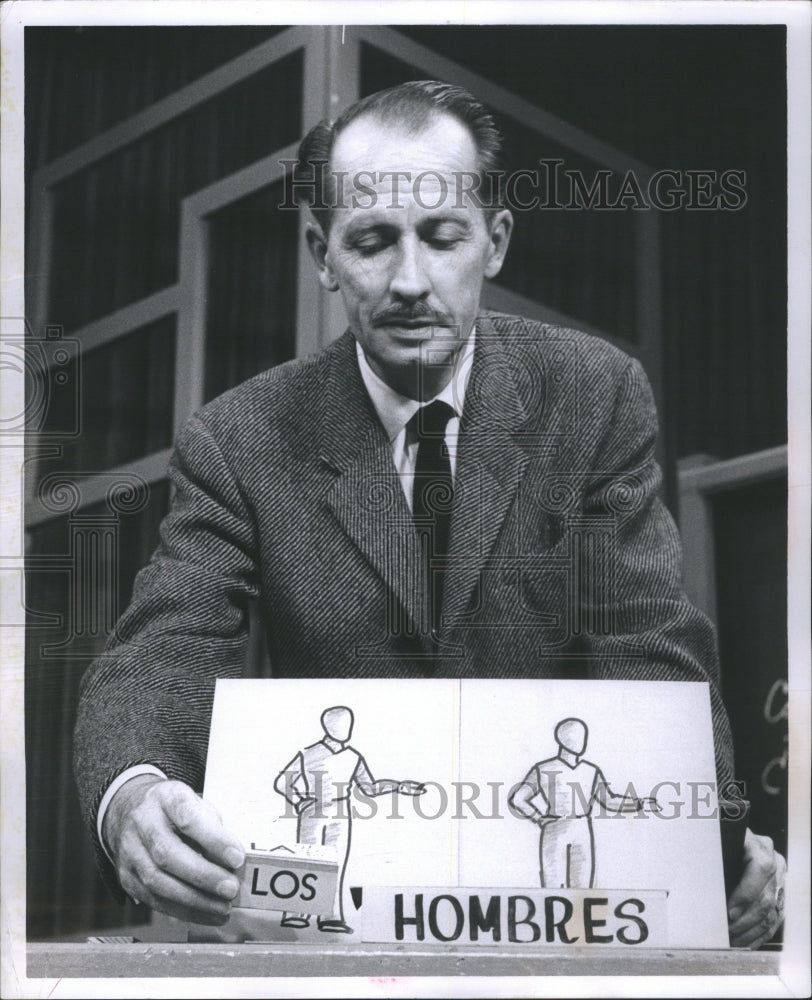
(299,876)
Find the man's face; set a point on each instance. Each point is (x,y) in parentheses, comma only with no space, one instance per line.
(407,248)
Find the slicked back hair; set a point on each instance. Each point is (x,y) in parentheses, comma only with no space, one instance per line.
(411,107)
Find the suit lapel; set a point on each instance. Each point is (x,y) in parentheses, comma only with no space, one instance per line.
(489,468)
(367,496)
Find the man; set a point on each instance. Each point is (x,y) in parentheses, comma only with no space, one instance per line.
(558,795)
(297,487)
(317,783)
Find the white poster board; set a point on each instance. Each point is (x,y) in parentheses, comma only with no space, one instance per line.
(471,744)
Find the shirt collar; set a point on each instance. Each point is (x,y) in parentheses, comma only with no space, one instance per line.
(394,410)
(334,746)
(572,760)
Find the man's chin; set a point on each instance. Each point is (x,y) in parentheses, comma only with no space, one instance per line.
(416,362)
(421,372)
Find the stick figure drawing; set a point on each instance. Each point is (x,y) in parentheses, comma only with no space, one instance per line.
(318,783)
(559,795)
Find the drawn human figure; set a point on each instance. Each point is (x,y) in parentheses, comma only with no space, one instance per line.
(318,782)
(559,795)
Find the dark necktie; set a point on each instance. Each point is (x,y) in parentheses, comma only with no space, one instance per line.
(433,498)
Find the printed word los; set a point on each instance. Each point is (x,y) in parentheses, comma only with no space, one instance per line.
(515,916)
(282,882)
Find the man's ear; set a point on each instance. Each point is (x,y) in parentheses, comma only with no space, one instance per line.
(317,244)
(501,227)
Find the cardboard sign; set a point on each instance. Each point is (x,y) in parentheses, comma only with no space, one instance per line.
(298,878)
(514,916)
(547,787)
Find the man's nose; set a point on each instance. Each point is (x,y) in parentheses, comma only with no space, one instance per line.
(410,280)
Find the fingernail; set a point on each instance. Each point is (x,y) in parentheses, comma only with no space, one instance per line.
(734,914)
(234,858)
(228,888)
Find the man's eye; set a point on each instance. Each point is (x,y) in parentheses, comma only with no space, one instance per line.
(369,245)
(368,248)
(443,241)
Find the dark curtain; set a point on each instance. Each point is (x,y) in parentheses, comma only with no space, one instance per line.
(251,303)
(124,396)
(750,529)
(116,223)
(80,81)
(65,893)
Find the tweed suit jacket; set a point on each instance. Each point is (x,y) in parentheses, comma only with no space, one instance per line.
(563,561)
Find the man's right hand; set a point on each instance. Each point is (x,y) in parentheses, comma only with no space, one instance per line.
(171,850)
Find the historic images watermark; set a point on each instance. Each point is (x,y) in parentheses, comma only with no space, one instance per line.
(90,501)
(549,186)
(493,800)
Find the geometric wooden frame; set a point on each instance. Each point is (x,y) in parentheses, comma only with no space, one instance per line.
(700,478)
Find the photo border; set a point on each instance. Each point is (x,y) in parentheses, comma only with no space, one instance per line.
(794,977)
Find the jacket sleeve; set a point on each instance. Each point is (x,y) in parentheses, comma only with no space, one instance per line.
(632,604)
(148,697)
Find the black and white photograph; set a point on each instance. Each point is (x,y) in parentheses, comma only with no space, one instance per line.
(406,498)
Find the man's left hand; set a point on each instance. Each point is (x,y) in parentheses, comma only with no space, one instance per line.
(755,909)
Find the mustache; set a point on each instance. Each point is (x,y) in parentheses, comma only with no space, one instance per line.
(417,311)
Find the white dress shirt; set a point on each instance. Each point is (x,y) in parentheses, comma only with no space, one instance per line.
(395,412)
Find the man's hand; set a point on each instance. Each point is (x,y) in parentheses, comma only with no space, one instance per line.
(755,909)
(171,850)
